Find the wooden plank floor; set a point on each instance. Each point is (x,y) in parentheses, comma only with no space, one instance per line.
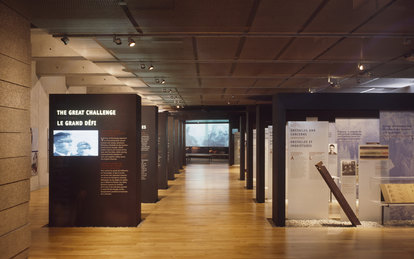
(207,213)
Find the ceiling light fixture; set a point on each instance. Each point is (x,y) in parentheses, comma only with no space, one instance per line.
(142,66)
(131,42)
(157,81)
(361,67)
(163,81)
(117,41)
(151,67)
(65,40)
(178,106)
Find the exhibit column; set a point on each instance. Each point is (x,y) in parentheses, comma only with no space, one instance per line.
(184,146)
(231,142)
(163,150)
(170,148)
(15,149)
(278,166)
(242,147)
(180,146)
(260,155)
(249,162)
(176,146)
(149,154)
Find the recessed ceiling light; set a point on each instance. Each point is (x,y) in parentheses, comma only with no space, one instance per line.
(151,67)
(163,81)
(142,66)
(361,67)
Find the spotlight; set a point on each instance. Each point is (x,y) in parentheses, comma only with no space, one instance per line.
(142,66)
(163,81)
(117,41)
(65,40)
(361,67)
(157,81)
(131,42)
(178,106)
(151,67)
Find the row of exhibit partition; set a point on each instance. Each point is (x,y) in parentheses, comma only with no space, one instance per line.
(107,154)
(364,155)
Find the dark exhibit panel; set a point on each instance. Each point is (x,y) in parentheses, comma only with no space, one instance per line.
(180,144)
(260,153)
(183,148)
(149,154)
(94,154)
(162,150)
(249,146)
(170,148)
(242,147)
(176,146)
(327,107)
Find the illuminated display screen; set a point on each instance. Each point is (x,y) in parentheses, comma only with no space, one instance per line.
(207,135)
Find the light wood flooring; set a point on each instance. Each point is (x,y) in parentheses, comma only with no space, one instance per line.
(207,213)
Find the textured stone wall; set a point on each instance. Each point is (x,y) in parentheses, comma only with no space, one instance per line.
(15,151)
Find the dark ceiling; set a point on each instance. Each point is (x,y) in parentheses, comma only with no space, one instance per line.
(234,52)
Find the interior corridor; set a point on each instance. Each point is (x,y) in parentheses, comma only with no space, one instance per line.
(207,212)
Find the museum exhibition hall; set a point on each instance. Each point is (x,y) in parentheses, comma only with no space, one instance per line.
(207,129)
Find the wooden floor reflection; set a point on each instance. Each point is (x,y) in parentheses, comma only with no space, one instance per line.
(207,213)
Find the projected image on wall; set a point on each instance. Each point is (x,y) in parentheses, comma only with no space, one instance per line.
(207,135)
(75,143)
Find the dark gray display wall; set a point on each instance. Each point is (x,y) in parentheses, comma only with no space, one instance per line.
(149,154)
(170,147)
(94,154)
(176,146)
(162,150)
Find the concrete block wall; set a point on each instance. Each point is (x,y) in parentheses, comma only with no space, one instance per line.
(15,151)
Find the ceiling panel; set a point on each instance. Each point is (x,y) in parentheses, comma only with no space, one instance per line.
(398,18)
(87,16)
(190,15)
(318,70)
(363,49)
(269,69)
(282,15)
(217,48)
(227,82)
(198,91)
(262,48)
(215,69)
(307,48)
(343,16)
(240,91)
(268,82)
(391,70)
(305,83)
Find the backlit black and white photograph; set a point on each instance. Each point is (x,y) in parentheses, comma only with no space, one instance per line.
(75,143)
